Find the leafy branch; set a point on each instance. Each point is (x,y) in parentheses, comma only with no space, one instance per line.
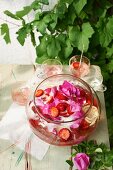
(66,28)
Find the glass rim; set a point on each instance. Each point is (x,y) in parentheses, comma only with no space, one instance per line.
(58,121)
(83,57)
(50,59)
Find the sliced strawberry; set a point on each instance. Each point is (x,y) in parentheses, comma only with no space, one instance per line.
(64,114)
(54,112)
(88,98)
(60,96)
(39,93)
(64,133)
(33,122)
(95,103)
(49,99)
(76,65)
(47,116)
(82,93)
(62,106)
(34,109)
(69,110)
(84,124)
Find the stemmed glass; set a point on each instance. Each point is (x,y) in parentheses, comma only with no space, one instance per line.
(51,67)
(79,65)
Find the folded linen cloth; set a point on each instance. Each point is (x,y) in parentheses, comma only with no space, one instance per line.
(14,127)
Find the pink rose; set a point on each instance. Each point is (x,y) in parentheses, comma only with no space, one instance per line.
(81,161)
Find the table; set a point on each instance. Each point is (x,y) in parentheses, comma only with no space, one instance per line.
(56,156)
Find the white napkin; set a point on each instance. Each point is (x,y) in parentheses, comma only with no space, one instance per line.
(14,127)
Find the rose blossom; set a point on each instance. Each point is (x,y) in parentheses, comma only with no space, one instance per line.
(81,161)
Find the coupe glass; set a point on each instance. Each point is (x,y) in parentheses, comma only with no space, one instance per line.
(79,66)
(68,128)
(51,67)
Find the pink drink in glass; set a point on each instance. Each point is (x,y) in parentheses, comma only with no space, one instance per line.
(51,67)
(20,94)
(79,66)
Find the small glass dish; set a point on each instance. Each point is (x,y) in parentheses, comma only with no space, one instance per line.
(52,67)
(20,93)
(79,66)
(63,110)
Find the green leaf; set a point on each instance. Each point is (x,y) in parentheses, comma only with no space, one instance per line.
(53,47)
(71,15)
(9,14)
(5,32)
(80,38)
(102,8)
(105,29)
(68,49)
(62,39)
(79,5)
(61,9)
(69,162)
(41,49)
(37,16)
(46,2)
(23,12)
(53,22)
(41,26)
(33,38)
(47,18)
(110,66)
(41,59)
(22,33)
(67,1)
(109,52)
(35,5)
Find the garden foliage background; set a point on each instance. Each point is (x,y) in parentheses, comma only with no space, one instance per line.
(69,28)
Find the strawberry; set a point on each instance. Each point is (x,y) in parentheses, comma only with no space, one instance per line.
(82,93)
(69,110)
(66,115)
(64,134)
(95,103)
(84,124)
(63,114)
(34,109)
(33,122)
(88,99)
(49,99)
(39,93)
(60,96)
(62,106)
(54,112)
(75,65)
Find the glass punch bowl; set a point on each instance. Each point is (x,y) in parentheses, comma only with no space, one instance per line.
(63,110)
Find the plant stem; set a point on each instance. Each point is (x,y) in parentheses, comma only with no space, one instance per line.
(10,22)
